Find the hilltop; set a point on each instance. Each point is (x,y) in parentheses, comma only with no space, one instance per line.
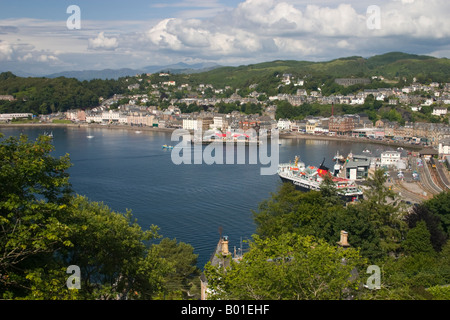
(268,79)
(394,65)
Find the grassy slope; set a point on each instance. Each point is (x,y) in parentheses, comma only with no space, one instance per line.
(390,65)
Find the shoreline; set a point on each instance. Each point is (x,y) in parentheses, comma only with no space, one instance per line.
(293,135)
(85,125)
(290,135)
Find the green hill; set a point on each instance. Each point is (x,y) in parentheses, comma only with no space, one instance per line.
(394,66)
(44,95)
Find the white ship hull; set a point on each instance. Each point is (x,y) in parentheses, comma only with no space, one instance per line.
(309,179)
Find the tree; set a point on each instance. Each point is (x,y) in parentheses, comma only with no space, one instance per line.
(183,281)
(45,227)
(109,247)
(433,222)
(304,213)
(439,205)
(418,240)
(385,212)
(287,267)
(34,196)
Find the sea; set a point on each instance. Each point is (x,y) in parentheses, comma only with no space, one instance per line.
(192,203)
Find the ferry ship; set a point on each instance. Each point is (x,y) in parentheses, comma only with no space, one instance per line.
(306,178)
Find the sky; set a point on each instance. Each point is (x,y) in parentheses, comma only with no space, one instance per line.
(40,37)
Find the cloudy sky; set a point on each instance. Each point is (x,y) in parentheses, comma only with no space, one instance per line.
(42,36)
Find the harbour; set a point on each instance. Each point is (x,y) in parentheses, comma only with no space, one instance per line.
(129,170)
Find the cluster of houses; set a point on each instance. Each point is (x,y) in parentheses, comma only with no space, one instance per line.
(138,112)
(358,166)
(415,95)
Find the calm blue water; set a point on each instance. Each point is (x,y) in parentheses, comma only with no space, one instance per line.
(126,170)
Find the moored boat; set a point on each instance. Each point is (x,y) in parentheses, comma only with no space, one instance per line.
(307,178)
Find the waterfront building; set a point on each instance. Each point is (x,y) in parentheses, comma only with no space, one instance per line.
(357,167)
(11,116)
(94,117)
(141,119)
(390,158)
(341,125)
(284,124)
(192,124)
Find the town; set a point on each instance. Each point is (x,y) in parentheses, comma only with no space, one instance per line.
(203,109)
(156,102)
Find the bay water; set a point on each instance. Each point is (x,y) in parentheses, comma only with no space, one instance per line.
(193,203)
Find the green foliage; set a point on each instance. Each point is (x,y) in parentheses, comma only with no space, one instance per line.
(34,196)
(182,282)
(440,206)
(440,292)
(290,210)
(287,267)
(410,248)
(43,96)
(433,223)
(418,240)
(44,228)
(385,212)
(266,75)
(371,224)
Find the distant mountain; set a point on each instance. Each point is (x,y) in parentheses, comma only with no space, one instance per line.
(178,68)
(95,74)
(182,67)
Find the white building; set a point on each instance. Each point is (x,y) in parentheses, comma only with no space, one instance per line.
(94,117)
(444,149)
(218,123)
(10,116)
(114,116)
(439,111)
(357,100)
(284,124)
(192,124)
(390,158)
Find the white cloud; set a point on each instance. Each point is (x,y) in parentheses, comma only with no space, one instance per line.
(6,51)
(281,27)
(47,58)
(252,31)
(103,43)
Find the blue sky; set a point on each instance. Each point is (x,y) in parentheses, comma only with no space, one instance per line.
(106,10)
(35,40)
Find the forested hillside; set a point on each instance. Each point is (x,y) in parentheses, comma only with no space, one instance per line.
(43,95)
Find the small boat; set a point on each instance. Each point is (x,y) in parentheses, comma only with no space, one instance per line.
(49,134)
(89,137)
(138,132)
(339,158)
(167,147)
